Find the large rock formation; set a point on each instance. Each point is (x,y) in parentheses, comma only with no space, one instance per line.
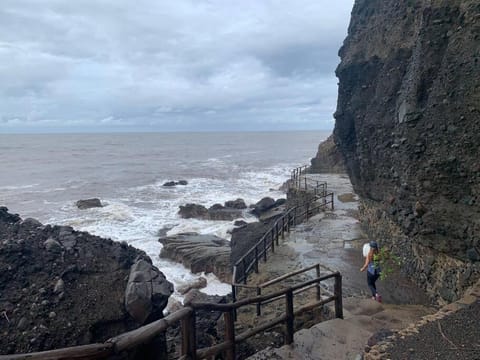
(408,125)
(329,159)
(60,287)
(232,210)
(200,253)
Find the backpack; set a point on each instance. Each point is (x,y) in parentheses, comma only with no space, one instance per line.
(366,249)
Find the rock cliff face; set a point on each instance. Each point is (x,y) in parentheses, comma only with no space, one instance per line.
(328,159)
(408,125)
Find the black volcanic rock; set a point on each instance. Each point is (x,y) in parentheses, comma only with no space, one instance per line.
(236,204)
(245,237)
(200,253)
(175,183)
(231,211)
(329,159)
(60,287)
(263,206)
(195,211)
(88,203)
(408,127)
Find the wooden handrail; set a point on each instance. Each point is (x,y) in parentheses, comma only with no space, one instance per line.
(146,333)
(186,315)
(91,351)
(286,276)
(253,300)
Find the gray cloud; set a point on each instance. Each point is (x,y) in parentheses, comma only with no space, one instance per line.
(169,65)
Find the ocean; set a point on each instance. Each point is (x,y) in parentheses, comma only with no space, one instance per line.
(43,175)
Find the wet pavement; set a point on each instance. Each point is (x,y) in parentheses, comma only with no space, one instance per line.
(335,240)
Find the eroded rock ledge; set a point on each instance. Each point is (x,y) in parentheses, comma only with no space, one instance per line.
(200,253)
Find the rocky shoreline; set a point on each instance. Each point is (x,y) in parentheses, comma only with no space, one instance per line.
(60,287)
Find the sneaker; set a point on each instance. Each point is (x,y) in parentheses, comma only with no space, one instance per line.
(378,297)
(374,298)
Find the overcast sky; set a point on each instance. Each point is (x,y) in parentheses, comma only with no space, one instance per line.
(119,65)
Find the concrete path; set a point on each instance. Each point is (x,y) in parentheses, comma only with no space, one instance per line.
(346,339)
(334,239)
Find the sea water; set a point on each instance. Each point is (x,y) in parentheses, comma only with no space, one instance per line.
(42,176)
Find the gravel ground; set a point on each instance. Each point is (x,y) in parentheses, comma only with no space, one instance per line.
(456,336)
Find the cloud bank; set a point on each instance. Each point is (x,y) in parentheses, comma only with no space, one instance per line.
(183,65)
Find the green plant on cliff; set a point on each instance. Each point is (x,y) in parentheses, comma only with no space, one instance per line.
(386,261)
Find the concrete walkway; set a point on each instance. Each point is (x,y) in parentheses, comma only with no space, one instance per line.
(334,239)
(346,339)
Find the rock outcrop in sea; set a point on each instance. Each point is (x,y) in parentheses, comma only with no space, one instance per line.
(60,287)
(408,126)
(199,253)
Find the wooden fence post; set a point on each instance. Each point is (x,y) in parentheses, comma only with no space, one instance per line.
(234,299)
(317,269)
(244,271)
(265,249)
(273,242)
(256,259)
(189,346)
(276,232)
(338,296)
(289,317)
(332,202)
(283,227)
(259,305)
(230,334)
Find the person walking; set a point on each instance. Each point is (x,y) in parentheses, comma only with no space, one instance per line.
(373,270)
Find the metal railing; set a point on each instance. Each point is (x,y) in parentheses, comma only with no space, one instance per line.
(249,261)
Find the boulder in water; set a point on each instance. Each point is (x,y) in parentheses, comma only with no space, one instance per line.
(236,204)
(88,203)
(175,183)
(215,212)
(263,205)
(196,211)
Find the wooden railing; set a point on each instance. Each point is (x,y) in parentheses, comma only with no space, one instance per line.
(260,287)
(186,316)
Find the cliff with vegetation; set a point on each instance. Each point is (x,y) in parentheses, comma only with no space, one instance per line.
(408,126)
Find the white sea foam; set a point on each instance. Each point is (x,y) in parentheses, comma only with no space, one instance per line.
(137,205)
(18,187)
